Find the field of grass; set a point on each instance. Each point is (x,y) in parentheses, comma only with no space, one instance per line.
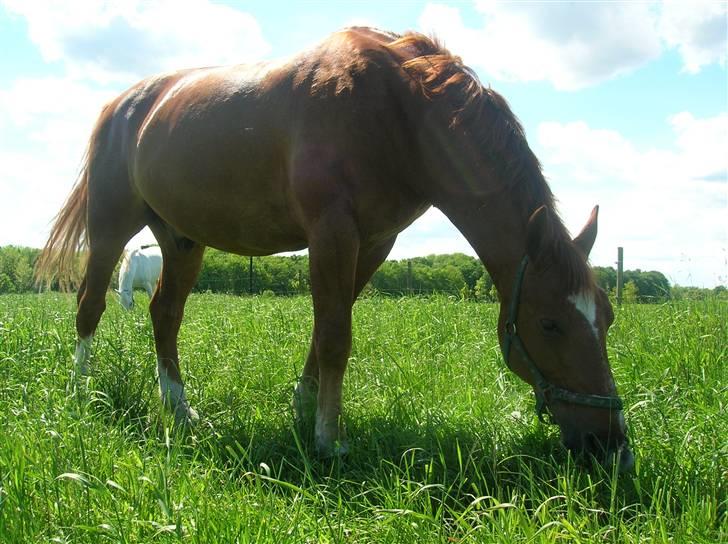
(444,442)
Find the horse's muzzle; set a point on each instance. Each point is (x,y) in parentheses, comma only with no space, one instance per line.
(588,445)
(622,455)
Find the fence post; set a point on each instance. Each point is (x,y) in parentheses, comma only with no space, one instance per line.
(409,277)
(250,276)
(620,279)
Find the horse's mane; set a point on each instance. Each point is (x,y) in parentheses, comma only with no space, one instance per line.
(489,119)
(125,257)
(484,113)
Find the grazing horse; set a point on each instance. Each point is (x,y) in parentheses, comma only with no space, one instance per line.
(140,269)
(339,149)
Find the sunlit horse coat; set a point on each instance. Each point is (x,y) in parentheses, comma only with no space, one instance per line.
(338,149)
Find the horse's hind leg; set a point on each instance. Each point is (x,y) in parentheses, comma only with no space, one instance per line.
(181,261)
(111,224)
(103,254)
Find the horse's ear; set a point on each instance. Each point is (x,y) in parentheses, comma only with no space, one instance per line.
(539,234)
(585,239)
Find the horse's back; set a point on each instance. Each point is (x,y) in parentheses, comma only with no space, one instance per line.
(242,158)
(211,159)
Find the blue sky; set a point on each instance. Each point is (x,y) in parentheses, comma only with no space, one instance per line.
(626,104)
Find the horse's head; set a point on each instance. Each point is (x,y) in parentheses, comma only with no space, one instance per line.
(126,298)
(553,332)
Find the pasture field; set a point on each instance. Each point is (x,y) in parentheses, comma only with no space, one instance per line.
(445,446)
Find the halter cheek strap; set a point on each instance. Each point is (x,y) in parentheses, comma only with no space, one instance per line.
(545,391)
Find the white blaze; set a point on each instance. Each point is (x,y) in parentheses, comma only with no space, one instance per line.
(584,302)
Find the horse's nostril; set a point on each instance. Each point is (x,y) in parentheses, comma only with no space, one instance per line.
(592,444)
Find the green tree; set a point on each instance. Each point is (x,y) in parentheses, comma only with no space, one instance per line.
(6,284)
(23,275)
(606,277)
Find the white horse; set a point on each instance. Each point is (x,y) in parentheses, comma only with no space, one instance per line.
(140,269)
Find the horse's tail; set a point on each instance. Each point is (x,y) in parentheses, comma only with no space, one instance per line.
(68,237)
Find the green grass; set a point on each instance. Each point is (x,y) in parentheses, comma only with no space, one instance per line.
(444,442)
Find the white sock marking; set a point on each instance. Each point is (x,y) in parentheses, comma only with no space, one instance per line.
(173,397)
(171,391)
(83,352)
(584,302)
(622,423)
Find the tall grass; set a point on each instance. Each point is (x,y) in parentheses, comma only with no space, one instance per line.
(444,443)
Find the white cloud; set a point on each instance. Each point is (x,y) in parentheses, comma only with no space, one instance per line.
(667,207)
(46,122)
(123,41)
(575,45)
(572,45)
(698,29)
(44,126)
(702,145)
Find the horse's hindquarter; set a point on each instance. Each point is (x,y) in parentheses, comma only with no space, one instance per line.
(211,162)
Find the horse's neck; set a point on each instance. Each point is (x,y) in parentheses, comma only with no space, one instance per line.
(497,233)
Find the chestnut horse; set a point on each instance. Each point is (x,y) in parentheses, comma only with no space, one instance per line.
(338,150)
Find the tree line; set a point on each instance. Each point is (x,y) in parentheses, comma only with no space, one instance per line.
(453,274)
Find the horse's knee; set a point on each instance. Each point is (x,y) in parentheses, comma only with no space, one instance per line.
(333,345)
(163,311)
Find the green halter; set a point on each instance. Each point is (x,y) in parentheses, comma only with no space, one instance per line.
(545,392)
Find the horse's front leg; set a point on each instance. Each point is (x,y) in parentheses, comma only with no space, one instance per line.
(333,250)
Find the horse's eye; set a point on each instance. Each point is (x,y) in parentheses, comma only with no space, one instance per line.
(549,327)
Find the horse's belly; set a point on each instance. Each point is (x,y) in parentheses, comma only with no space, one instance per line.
(252,225)
(239,206)
(236,203)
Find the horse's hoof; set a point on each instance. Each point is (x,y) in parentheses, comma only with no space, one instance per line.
(186,417)
(339,448)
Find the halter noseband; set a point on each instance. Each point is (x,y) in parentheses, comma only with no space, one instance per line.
(544,390)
